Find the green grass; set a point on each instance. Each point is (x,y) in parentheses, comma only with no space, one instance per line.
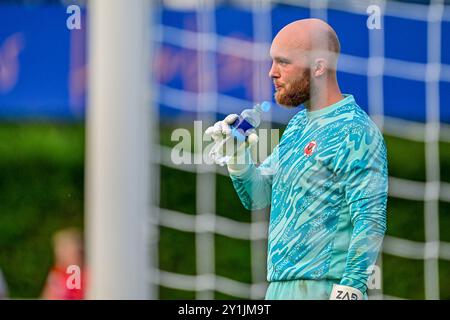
(42,186)
(42,142)
(444,221)
(406,159)
(444,160)
(405,219)
(230,255)
(174,294)
(177,251)
(223,296)
(41,191)
(177,190)
(228,204)
(444,276)
(403,277)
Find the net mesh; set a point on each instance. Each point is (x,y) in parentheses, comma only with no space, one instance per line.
(199,90)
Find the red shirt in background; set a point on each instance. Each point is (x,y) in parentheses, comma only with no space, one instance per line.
(56,287)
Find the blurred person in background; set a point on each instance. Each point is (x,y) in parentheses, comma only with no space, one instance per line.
(326,181)
(62,282)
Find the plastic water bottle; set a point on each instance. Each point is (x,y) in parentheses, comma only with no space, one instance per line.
(248,119)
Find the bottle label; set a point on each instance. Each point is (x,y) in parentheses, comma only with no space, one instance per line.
(241,125)
(238,135)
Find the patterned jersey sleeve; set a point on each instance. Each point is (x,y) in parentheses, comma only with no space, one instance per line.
(254,184)
(362,165)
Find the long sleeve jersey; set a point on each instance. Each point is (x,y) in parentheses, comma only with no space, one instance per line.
(326,183)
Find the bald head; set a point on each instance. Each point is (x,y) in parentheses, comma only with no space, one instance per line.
(304,58)
(313,36)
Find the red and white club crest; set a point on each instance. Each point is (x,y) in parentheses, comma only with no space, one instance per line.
(310,148)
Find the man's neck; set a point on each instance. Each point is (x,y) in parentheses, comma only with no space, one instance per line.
(319,100)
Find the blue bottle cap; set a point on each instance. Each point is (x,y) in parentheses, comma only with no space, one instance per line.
(265,106)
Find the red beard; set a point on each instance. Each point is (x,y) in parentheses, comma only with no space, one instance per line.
(296,93)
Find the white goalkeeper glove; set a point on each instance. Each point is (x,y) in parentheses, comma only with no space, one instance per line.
(221,131)
(341,292)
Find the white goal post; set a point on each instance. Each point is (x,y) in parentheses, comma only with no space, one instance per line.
(117,160)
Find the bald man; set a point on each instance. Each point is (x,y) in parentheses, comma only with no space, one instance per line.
(326,181)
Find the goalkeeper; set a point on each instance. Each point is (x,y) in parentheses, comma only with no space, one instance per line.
(326,181)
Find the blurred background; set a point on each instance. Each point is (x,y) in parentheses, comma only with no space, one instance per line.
(209,59)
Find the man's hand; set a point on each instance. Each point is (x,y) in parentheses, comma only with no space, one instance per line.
(221,131)
(341,292)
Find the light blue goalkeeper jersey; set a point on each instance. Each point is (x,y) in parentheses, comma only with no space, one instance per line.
(326,182)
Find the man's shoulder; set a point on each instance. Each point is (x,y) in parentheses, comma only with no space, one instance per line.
(297,121)
(358,121)
(298,117)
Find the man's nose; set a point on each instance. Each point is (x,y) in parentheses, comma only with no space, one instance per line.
(273,72)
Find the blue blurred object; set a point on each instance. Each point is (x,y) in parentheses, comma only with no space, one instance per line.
(37,64)
(43,64)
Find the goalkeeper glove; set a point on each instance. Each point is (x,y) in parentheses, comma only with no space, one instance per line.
(221,131)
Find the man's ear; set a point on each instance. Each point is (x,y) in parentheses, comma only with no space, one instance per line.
(320,67)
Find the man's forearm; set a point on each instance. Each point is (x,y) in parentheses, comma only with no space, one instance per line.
(365,245)
(253,188)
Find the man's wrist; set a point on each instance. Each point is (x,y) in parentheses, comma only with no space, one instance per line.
(341,292)
(240,163)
